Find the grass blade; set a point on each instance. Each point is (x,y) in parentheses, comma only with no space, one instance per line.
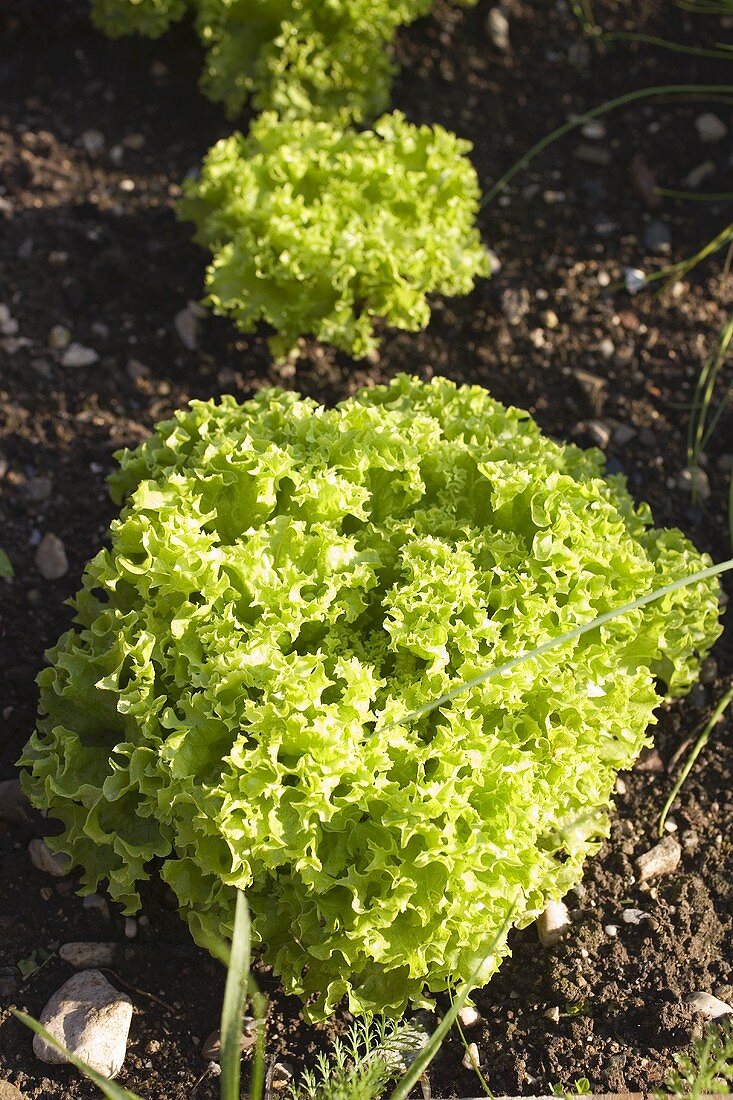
(698,436)
(235,994)
(259,1008)
(696,750)
(630,97)
(107,1087)
(724,53)
(562,639)
(695,196)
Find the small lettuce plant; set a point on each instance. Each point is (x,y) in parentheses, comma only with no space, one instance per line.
(285,587)
(324,232)
(324,59)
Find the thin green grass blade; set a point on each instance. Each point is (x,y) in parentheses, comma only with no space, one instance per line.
(696,750)
(695,196)
(707,7)
(235,994)
(730,510)
(259,1007)
(431,1048)
(704,393)
(107,1087)
(697,90)
(562,639)
(724,53)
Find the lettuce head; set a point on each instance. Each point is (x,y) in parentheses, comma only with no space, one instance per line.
(284,584)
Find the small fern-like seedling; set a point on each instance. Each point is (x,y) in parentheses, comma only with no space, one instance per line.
(707,1069)
(363,1062)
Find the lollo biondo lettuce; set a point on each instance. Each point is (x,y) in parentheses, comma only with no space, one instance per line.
(284,583)
(320,59)
(325,232)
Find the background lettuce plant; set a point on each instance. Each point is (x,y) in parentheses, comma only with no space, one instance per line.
(326,59)
(287,582)
(324,232)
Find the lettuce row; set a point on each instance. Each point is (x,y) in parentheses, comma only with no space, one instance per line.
(321,59)
(286,581)
(324,232)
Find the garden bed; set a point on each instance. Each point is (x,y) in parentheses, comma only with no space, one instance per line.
(95,138)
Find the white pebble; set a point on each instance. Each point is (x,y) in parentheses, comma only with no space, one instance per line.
(709,1006)
(634,279)
(469,1016)
(53,863)
(497,28)
(77,355)
(611,930)
(633,916)
(93,142)
(87,956)
(58,338)
(662,859)
(51,558)
(472,1057)
(91,1019)
(552,923)
(710,128)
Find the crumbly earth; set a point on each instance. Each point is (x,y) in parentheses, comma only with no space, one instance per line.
(89,240)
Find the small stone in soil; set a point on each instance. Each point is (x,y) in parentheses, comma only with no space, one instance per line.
(657,237)
(96,901)
(694,479)
(644,182)
(599,433)
(634,279)
(515,304)
(710,128)
(58,338)
(8,324)
(552,923)
(91,1019)
(497,29)
(88,956)
(594,130)
(698,175)
(53,863)
(37,489)
(51,558)
(472,1057)
(594,154)
(662,859)
(93,142)
(552,1014)
(14,806)
(469,1016)
(186,324)
(611,930)
(623,434)
(634,916)
(709,1006)
(77,355)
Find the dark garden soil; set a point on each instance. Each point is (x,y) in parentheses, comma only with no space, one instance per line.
(89,240)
